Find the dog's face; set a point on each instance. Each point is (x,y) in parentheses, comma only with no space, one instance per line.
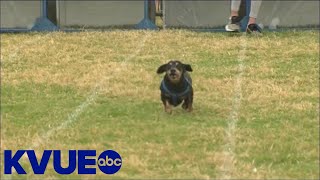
(174,70)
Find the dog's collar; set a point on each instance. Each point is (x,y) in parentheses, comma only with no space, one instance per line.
(173,95)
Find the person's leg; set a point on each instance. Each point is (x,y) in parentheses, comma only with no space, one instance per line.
(235,5)
(234,23)
(157,6)
(254,10)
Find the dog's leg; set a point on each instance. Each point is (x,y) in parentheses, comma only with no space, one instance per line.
(187,104)
(190,108)
(167,107)
(166,104)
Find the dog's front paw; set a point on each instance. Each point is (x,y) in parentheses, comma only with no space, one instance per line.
(187,107)
(184,106)
(168,109)
(190,109)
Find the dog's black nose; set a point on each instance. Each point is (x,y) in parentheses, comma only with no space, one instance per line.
(172,71)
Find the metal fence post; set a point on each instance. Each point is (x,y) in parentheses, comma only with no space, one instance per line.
(43,23)
(146,23)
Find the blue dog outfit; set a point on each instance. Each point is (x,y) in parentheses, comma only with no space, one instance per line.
(176,97)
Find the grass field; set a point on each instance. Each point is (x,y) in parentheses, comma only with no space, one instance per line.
(256,104)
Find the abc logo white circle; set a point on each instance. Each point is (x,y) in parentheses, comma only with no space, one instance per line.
(109,162)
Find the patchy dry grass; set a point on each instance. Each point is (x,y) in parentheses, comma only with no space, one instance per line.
(47,77)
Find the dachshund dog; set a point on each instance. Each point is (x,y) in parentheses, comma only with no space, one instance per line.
(176,85)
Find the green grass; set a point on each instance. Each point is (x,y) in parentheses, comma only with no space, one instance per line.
(47,79)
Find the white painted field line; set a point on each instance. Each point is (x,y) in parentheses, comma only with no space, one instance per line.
(228,153)
(72,117)
(11,58)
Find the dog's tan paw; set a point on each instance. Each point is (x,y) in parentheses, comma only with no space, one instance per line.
(167,107)
(189,109)
(168,110)
(184,106)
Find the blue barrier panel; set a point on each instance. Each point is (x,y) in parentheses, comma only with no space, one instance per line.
(43,23)
(25,16)
(80,15)
(196,14)
(146,23)
(202,15)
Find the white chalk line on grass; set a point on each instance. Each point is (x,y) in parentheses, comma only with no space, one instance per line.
(72,117)
(90,99)
(13,57)
(229,147)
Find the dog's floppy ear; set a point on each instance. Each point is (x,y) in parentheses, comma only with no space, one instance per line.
(187,67)
(162,69)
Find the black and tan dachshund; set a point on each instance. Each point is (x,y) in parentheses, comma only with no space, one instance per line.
(176,86)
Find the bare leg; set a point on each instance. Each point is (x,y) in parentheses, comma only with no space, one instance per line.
(235,5)
(254,10)
(234,25)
